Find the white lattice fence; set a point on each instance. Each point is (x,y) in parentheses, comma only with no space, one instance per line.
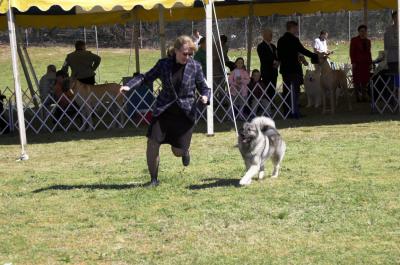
(106,111)
(385,94)
(6,111)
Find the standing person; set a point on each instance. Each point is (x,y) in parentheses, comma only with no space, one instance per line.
(391,45)
(320,44)
(83,64)
(361,60)
(219,68)
(289,48)
(196,37)
(268,55)
(46,85)
(201,55)
(174,114)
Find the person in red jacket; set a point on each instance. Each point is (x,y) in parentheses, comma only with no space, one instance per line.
(361,60)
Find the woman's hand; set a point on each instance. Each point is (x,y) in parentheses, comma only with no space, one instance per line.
(204,99)
(124,89)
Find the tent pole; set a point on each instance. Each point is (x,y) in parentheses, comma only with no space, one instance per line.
(161,22)
(28,59)
(250,35)
(26,72)
(366,12)
(136,40)
(84,34)
(26,38)
(209,77)
(398,54)
(17,85)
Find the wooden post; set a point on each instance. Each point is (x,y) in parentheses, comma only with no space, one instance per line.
(299,22)
(97,50)
(161,22)
(136,40)
(349,26)
(366,12)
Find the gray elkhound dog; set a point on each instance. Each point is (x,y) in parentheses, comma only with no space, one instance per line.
(258,141)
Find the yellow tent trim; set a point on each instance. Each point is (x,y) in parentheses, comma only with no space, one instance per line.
(191,13)
(106,5)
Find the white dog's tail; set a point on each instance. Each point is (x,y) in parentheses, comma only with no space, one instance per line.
(264,123)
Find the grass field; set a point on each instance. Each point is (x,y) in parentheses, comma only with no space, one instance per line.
(80,199)
(115,62)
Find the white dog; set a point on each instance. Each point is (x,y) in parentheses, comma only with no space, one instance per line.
(312,87)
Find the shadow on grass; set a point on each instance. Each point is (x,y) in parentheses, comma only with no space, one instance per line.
(94,187)
(215,183)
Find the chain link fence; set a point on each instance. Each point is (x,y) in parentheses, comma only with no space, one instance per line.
(341,26)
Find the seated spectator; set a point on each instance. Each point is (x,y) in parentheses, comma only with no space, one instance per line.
(238,81)
(46,85)
(380,63)
(258,90)
(63,97)
(201,55)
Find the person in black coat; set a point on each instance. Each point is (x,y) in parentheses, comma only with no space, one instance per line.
(289,49)
(268,55)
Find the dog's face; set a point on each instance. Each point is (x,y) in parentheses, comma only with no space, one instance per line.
(248,132)
(309,76)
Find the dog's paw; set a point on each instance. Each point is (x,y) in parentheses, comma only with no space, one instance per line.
(245,182)
(261,175)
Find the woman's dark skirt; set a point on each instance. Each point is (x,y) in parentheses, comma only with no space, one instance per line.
(172,127)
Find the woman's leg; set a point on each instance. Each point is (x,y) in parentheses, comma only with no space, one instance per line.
(182,153)
(153,160)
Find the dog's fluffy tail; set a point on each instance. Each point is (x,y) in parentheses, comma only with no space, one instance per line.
(264,123)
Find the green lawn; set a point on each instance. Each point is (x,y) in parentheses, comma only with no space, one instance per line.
(80,200)
(115,62)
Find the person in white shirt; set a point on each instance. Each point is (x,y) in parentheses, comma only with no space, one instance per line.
(196,37)
(391,45)
(320,44)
